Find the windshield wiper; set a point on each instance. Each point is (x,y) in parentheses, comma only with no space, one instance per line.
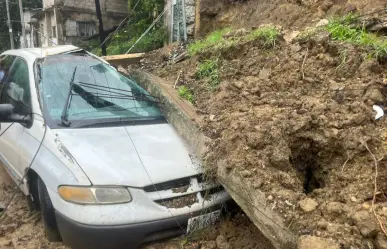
(134,95)
(64,116)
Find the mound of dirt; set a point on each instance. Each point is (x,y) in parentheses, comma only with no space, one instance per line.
(291,14)
(297,122)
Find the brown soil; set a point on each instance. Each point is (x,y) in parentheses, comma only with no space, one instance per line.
(291,14)
(297,121)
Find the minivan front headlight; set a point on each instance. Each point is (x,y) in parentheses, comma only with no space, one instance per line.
(94,195)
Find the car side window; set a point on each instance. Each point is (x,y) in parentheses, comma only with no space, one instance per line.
(5,65)
(16,88)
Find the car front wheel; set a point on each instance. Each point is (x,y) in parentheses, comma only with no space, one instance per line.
(48,213)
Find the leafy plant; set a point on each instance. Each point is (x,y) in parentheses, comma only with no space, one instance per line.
(151,41)
(268,34)
(206,68)
(141,18)
(186,93)
(209,69)
(215,38)
(341,29)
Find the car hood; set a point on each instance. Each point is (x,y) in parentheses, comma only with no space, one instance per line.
(135,156)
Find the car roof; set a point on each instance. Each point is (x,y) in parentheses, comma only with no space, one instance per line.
(34,53)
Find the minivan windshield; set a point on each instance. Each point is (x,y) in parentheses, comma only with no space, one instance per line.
(90,92)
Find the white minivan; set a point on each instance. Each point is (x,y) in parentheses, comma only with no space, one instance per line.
(92,150)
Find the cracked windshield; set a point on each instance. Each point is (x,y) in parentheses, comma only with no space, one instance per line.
(77,87)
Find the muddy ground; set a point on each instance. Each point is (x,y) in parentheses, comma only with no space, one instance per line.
(24,229)
(290,14)
(297,122)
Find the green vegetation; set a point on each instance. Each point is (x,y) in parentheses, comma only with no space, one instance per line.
(268,34)
(342,29)
(209,69)
(141,18)
(214,39)
(121,43)
(217,40)
(186,93)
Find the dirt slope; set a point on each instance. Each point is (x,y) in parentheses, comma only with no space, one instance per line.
(291,14)
(297,122)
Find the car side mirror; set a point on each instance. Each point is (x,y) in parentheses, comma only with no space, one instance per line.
(9,115)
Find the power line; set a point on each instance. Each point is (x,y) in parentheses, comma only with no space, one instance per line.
(147,31)
(120,25)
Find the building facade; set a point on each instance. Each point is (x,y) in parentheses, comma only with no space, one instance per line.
(71,21)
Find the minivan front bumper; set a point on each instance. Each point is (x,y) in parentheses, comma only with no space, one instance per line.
(82,236)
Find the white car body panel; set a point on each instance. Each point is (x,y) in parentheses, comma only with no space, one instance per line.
(109,156)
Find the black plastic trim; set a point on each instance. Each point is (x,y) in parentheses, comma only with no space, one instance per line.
(82,236)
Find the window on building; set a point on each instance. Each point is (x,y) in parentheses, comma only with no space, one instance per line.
(53,31)
(86,29)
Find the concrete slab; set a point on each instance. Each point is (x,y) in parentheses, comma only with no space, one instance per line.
(124,60)
(183,117)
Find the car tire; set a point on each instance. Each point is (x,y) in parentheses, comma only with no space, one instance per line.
(48,213)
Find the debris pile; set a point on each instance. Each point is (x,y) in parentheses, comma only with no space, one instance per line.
(302,121)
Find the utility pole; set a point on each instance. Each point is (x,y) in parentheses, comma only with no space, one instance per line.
(101,31)
(23,40)
(9,26)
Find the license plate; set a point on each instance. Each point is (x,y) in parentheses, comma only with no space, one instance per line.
(202,221)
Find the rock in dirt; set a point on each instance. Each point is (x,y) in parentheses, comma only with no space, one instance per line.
(322,37)
(238,84)
(308,205)
(209,245)
(370,66)
(322,22)
(4,243)
(2,207)
(366,224)
(375,95)
(264,74)
(296,47)
(290,36)
(221,242)
(335,208)
(381,241)
(312,242)
(367,244)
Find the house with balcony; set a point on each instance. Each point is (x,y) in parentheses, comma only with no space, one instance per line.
(71,21)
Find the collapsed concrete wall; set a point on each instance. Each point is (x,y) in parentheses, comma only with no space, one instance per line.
(184,119)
